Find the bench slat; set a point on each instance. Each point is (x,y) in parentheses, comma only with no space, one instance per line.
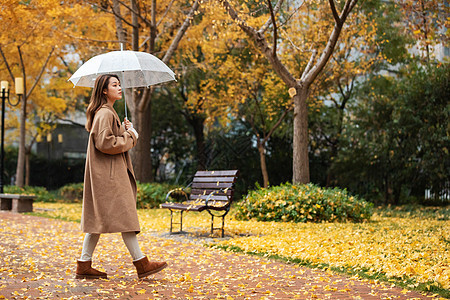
(216,173)
(212,185)
(182,206)
(214,179)
(209,191)
(17,196)
(203,197)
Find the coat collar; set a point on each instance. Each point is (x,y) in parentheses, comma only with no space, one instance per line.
(108,106)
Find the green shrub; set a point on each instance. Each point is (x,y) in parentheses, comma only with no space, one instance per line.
(71,193)
(151,195)
(41,193)
(303,203)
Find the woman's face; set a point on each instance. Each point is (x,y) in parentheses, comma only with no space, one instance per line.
(114,90)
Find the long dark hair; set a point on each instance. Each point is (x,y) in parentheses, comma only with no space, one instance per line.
(98,98)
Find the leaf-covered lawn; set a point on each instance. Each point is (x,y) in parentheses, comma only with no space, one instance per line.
(413,248)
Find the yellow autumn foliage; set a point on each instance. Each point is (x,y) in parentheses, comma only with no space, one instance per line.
(46,32)
(399,246)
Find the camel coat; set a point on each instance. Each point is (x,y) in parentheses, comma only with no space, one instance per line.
(109,195)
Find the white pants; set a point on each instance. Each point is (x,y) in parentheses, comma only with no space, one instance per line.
(129,238)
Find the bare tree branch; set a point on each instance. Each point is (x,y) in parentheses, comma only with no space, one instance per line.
(136,12)
(6,63)
(326,54)
(266,138)
(106,11)
(261,42)
(349,5)
(269,21)
(181,32)
(272,16)
(332,99)
(252,124)
(165,13)
(260,113)
(329,48)
(40,73)
(310,63)
(335,13)
(292,14)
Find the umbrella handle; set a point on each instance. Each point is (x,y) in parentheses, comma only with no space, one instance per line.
(126,115)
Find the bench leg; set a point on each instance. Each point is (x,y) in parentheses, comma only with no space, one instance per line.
(223,225)
(212,223)
(6,204)
(171,221)
(22,205)
(171,218)
(181,220)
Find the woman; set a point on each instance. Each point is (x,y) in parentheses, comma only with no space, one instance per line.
(109,196)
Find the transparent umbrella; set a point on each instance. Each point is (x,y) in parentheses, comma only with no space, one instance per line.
(134,69)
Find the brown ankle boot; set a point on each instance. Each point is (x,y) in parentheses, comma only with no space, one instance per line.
(85,271)
(145,267)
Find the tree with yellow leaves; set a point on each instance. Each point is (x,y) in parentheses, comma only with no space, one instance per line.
(239,82)
(35,38)
(222,81)
(316,41)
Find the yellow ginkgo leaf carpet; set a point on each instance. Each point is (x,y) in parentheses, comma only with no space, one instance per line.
(39,258)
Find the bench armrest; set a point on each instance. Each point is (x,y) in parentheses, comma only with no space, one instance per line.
(221,191)
(177,190)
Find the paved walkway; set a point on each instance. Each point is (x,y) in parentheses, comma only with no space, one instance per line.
(39,255)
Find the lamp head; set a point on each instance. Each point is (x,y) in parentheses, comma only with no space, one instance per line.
(19,85)
(5,85)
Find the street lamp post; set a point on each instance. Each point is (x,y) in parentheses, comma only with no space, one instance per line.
(5,96)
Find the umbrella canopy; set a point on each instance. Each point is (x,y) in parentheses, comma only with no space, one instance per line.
(134,69)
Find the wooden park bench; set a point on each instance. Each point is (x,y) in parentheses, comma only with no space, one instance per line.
(210,190)
(16,202)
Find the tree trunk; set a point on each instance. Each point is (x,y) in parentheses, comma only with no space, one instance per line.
(135,23)
(27,168)
(153,29)
(21,155)
(141,153)
(119,28)
(198,126)
(300,144)
(262,160)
